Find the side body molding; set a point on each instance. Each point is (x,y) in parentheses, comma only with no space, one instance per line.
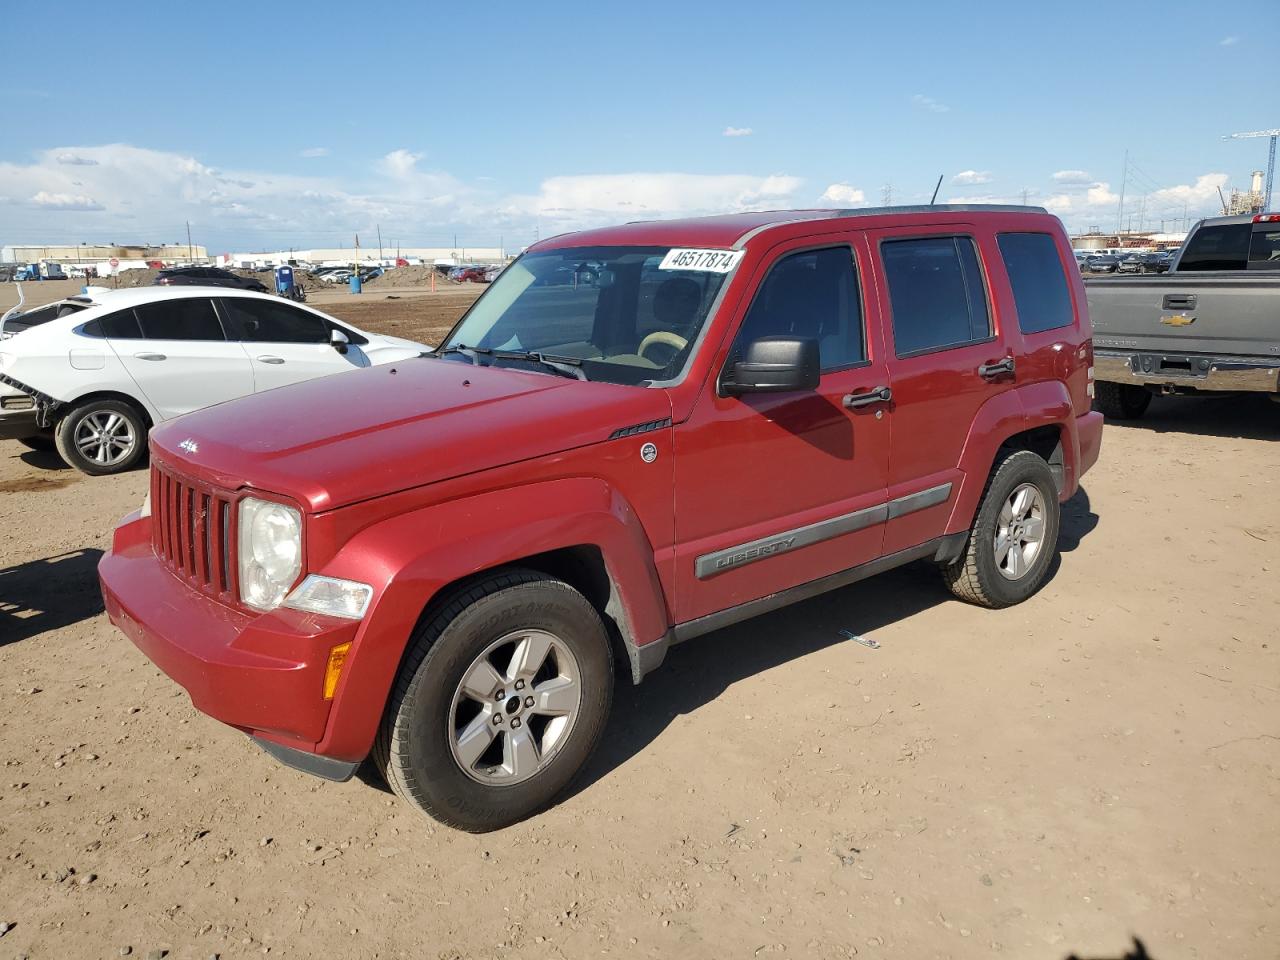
(411,557)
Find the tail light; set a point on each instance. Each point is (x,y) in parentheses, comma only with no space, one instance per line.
(1267,218)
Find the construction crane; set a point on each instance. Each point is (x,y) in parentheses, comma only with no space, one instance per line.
(1271,157)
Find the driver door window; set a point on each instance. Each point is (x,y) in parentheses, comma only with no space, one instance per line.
(811,294)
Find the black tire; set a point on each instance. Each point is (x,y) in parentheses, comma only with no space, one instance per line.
(65,436)
(975,576)
(41,441)
(1120,401)
(413,748)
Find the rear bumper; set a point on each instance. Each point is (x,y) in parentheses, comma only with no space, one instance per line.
(260,673)
(1089,434)
(1192,371)
(18,425)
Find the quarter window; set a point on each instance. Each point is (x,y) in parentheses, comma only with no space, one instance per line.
(1039,285)
(188,318)
(121,325)
(812,294)
(936,293)
(264,321)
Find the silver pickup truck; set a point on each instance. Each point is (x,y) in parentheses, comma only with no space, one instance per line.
(1211,324)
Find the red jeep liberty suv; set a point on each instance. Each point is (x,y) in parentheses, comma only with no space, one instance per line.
(637,435)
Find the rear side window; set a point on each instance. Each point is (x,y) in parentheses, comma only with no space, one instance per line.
(121,325)
(811,294)
(264,321)
(190,318)
(936,293)
(1039,285)
(1224,247)
(1264,247)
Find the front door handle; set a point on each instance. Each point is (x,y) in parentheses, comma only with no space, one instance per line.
(990,371)
(876,395)
(150,356)
(269,359)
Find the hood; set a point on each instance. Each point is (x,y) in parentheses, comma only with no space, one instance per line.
(368,433)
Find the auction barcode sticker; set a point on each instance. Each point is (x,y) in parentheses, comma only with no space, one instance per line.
(708,261)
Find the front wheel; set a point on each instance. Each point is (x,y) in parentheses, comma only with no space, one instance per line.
(1013,538)
(502,698)
(102,436)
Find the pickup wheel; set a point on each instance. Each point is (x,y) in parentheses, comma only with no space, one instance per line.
(102,436)
(1120,401)
(503,696)
(1013,538)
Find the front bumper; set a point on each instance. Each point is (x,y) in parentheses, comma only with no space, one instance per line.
(260,673)
(1188,371)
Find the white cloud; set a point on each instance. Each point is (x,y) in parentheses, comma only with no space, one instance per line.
(737,132)
(589,199)
(928,103)
(1100,195)
(73,160)
(842,193)
(312,152)
(133,193)
(65,201)
(1228,41)
(1072,177)
(972,177)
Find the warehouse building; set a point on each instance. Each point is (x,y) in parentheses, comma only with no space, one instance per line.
(95,253)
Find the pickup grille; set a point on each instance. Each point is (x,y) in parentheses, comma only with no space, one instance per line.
(191,532)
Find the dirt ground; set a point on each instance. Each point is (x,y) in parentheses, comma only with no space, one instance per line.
(1099,764)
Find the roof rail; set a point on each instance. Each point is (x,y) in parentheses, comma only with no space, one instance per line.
(941,207)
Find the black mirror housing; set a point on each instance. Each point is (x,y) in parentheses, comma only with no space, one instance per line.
(776,365)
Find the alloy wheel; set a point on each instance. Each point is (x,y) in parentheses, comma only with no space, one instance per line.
(1019,531)
(105,437)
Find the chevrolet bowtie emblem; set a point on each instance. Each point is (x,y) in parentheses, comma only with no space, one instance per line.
(1177,319)
(190,445)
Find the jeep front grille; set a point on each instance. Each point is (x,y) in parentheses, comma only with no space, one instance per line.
(192,526)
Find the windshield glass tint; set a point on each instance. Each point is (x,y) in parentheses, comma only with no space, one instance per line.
(613,308)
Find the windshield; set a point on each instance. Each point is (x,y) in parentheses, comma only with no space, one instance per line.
(616,311)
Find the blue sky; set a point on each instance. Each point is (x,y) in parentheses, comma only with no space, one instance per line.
(514,119)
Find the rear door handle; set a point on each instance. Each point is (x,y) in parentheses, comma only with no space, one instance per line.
(876,395)
(990,371)
(271,359)
(150,356)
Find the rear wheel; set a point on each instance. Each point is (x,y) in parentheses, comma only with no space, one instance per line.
(1121,401)
(1013,538)
(102,436)
(503,697)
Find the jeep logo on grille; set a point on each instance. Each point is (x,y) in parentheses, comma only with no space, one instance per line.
(190,445)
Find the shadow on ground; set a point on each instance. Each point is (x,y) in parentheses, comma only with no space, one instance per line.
(1246,416)
(48,594)
(696,673)
(1139,952)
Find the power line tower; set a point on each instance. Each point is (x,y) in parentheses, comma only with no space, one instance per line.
(1271,158)
(886,195)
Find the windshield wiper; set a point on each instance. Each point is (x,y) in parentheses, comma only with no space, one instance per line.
(469,352)
(570,367)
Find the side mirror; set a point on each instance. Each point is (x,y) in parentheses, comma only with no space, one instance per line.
(339,340)
(775,365)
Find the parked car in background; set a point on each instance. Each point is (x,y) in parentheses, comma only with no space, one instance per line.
(444,568)
(1104,263)
(470,274)
(207,277)
(95,373)
(1208,326)
(1130,263)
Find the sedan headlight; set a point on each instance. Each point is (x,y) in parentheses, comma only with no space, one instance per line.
(270,552)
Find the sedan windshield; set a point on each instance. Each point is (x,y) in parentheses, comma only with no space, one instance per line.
(615,313)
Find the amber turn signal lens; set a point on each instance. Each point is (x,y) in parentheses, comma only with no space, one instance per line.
(337,657)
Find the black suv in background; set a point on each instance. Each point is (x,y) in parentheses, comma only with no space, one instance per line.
(207,277)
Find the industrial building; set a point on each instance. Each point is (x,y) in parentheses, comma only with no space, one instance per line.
(340,256)
(91,254)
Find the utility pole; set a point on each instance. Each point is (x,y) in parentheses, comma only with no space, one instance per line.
(1124,179)
(886,195)
(190,255)
(379,244)
(1271,158)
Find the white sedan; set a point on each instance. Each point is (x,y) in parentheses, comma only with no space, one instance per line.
(92,374)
